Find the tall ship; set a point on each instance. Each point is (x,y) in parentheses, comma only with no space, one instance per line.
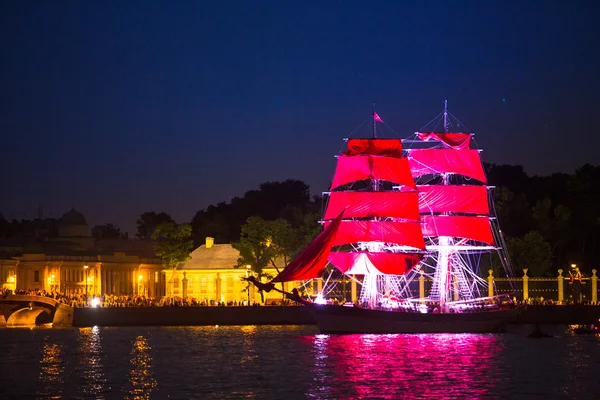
(400,213)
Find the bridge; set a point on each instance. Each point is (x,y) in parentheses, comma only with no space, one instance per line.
(24,311)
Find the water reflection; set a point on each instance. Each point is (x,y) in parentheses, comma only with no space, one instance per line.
(290,363)
(576,360)
(248,357)
(403,366)
(51,376)
(90,360)
(141,376)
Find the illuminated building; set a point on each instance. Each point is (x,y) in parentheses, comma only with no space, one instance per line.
(210,275)
(122,267)
(58,263)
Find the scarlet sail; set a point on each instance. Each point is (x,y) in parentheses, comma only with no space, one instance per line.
(467,227)
(376,147)
(457,141)
(374,263)
(400,233)
(373,204)
(436,161)
(361,167)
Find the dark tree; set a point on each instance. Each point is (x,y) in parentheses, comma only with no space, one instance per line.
(107,231)
(224,220)
(148,221)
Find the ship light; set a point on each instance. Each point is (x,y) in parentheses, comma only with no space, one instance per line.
(320,299)
(95,302)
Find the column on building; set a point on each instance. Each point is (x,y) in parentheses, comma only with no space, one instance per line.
(561,286)
(490,283)
(108,283)
(184,285)
(58,282)
(46,279)
(421,285)
(218,287)
(594,280)
(98,284)
(525,284)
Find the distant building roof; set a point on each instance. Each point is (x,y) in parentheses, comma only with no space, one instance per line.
(73,217)
(217,256)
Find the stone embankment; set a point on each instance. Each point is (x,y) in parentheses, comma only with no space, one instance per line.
(274,315)
(180,316)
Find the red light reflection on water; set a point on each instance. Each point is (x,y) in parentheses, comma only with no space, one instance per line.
(403,366)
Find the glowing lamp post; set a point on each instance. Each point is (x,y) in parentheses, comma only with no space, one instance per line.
(247,276)
(86,282)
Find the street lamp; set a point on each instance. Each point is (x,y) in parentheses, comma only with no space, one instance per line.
(86,282)
(248,266)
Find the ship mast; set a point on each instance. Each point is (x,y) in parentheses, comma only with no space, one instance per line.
(374,122)
(444,241)
(446,115)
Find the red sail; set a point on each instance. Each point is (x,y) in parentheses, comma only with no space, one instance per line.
(375,147)
(473,228)
(356,168)
(364,263)
(401,233)
(373,204)
(458,199)
(436,161)
(311,262)
(458,141)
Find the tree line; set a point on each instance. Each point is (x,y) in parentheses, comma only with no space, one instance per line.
(549,222)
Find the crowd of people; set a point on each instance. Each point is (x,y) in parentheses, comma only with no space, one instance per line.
(110,300)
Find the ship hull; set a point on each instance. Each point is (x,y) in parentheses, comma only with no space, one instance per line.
(340,319)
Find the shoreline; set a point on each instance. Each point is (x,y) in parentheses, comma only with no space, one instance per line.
(189,316)
(285,315)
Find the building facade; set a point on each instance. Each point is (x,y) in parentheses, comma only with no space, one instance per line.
(74,263)
(211,276)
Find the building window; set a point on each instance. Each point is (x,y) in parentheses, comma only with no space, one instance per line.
(176,283)
(156,277)
(229,285)
(36,276)
(203,286)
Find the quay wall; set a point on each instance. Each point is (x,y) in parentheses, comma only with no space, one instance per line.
(190,316)
(277,315)
(559,315)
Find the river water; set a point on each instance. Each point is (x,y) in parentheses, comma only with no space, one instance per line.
(293,362)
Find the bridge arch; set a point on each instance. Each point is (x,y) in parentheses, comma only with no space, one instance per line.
(21,310)
(29,317)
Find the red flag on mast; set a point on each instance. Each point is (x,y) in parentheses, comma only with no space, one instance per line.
(377,117)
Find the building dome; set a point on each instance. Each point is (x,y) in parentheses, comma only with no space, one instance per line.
(73,218)
(72,225)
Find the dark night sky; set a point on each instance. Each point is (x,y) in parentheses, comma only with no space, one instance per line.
(117,108)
